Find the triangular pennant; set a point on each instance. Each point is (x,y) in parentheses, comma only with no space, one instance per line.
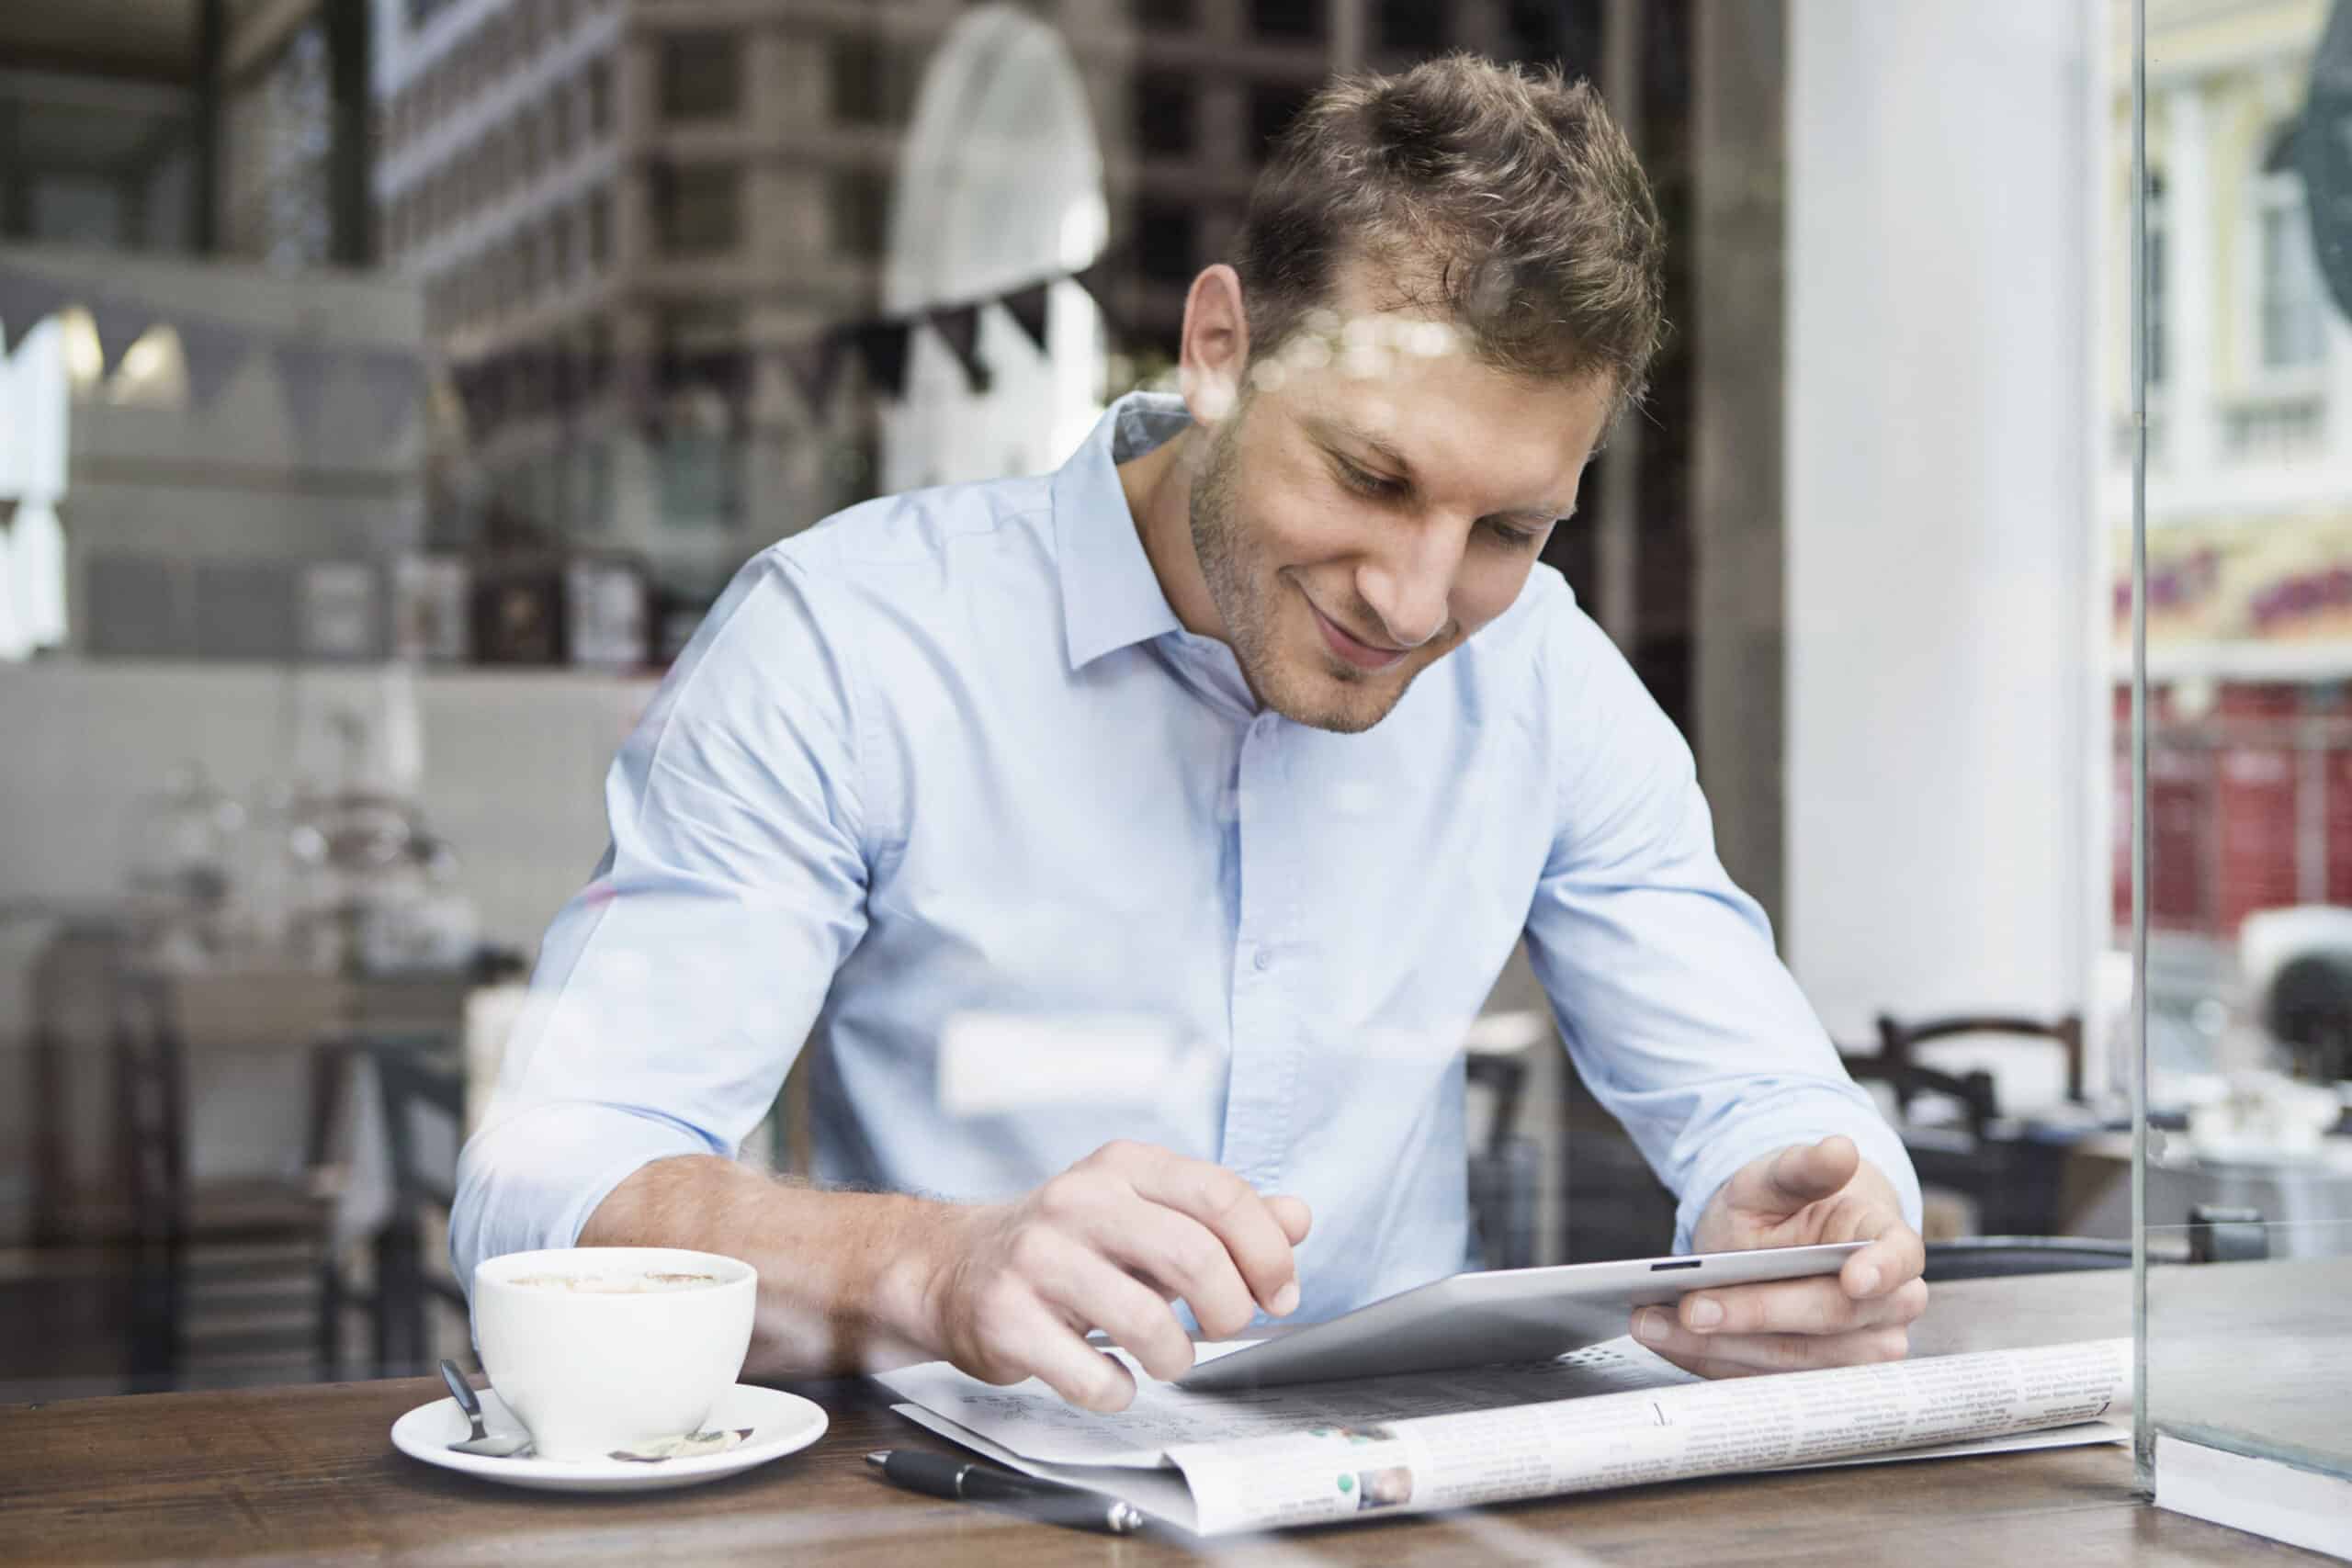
(210,354)
(1097,281)
(669,376)
(724,372)
(567,382)
(120,325)
(728,372)
(302,372)
(959,327)
(394,383)
(640,380)
(883,346)
(596,374)
(26,299)
(1027,306)
(481,392)
(813,365)
(527,378)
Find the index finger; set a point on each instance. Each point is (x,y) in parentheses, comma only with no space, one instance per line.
(1234,1214)
(1817,1305)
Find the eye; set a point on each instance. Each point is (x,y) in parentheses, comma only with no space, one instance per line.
(1365,482)
(1514,539)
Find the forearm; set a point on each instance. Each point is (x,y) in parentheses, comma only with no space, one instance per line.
(844,1277)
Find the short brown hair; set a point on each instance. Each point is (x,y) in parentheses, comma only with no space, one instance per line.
(1501,199)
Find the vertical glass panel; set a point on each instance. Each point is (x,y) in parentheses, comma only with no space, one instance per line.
(2241,500)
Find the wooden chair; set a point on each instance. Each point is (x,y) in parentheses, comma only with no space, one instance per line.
(420,1079)
(1899,1043)
(2010,1172)
(227,1270)
(1504,1171)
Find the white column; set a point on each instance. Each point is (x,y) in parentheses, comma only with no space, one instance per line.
(2192,425)
(1349,28)
(2339,390)
(1943,748)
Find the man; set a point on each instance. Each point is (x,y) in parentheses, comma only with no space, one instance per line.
(1258,720)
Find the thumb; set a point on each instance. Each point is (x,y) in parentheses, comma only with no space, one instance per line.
(1291,1215)
(1805,1173)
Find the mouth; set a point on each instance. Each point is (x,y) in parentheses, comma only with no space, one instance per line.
(1367,657)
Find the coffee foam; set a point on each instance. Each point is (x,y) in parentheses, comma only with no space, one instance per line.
(615,1284)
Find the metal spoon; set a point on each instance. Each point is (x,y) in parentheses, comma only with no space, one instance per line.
(481,1443)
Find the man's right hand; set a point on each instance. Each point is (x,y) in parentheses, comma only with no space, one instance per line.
(1009,1291)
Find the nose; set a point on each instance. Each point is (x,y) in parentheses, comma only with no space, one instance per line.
(1409,584)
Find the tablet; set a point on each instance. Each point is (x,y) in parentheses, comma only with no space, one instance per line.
(1502,1314)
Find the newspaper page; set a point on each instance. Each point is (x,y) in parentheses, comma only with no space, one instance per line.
(1610,1415)
(1338,1471)
(1030,1420)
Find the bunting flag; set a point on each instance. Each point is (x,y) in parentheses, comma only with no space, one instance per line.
(1027,306)
(394,383)
(25,298)
(567,382)
(210,354)
(302,372)
(959,327)
(813,365)
(641,397)
(525,381)
(883,346)
(1097,281)
(727,372)
(120,325)
(596,373)
(481,388)
(529,388)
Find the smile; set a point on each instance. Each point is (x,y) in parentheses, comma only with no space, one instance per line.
(1355,651)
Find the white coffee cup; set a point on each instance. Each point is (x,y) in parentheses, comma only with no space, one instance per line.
(602,1347)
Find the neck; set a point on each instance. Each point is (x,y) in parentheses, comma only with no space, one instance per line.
(1159,487)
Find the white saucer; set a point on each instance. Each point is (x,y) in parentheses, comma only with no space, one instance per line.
(781,1424)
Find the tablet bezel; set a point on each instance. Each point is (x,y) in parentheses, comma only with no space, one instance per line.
(1499,1316)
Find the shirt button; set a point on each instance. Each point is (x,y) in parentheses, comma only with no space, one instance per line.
(1263,961)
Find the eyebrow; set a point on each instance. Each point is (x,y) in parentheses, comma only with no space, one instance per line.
(1334,432)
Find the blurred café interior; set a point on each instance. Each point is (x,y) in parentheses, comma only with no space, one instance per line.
(391,384)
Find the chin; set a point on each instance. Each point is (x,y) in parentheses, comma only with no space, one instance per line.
(1344,704)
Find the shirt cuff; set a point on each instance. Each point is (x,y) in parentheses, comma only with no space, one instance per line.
(1803,1122)
(529,1181)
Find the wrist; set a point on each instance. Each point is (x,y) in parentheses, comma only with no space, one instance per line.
(912,1277)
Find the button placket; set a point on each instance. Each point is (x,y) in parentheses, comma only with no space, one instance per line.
(1256,1092)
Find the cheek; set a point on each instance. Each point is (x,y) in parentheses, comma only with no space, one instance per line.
(1301,534)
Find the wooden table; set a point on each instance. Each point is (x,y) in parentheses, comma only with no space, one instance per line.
(308,1474)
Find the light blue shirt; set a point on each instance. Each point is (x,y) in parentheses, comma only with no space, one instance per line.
(950,753)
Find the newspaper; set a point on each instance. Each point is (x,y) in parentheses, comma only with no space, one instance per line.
(1613,1415)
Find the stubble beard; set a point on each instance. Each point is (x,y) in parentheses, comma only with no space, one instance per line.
(1242,590)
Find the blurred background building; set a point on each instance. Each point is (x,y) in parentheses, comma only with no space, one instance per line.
(2249,479)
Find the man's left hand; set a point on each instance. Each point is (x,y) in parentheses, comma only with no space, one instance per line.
(1804,1194)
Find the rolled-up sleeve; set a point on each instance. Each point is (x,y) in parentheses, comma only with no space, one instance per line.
(673,991)
(1676,1009)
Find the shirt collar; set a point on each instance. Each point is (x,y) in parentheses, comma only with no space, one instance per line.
(1111,597)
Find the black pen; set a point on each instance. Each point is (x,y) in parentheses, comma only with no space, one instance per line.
(941,1476)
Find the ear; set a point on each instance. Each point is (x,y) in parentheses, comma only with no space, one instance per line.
(1215,345)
